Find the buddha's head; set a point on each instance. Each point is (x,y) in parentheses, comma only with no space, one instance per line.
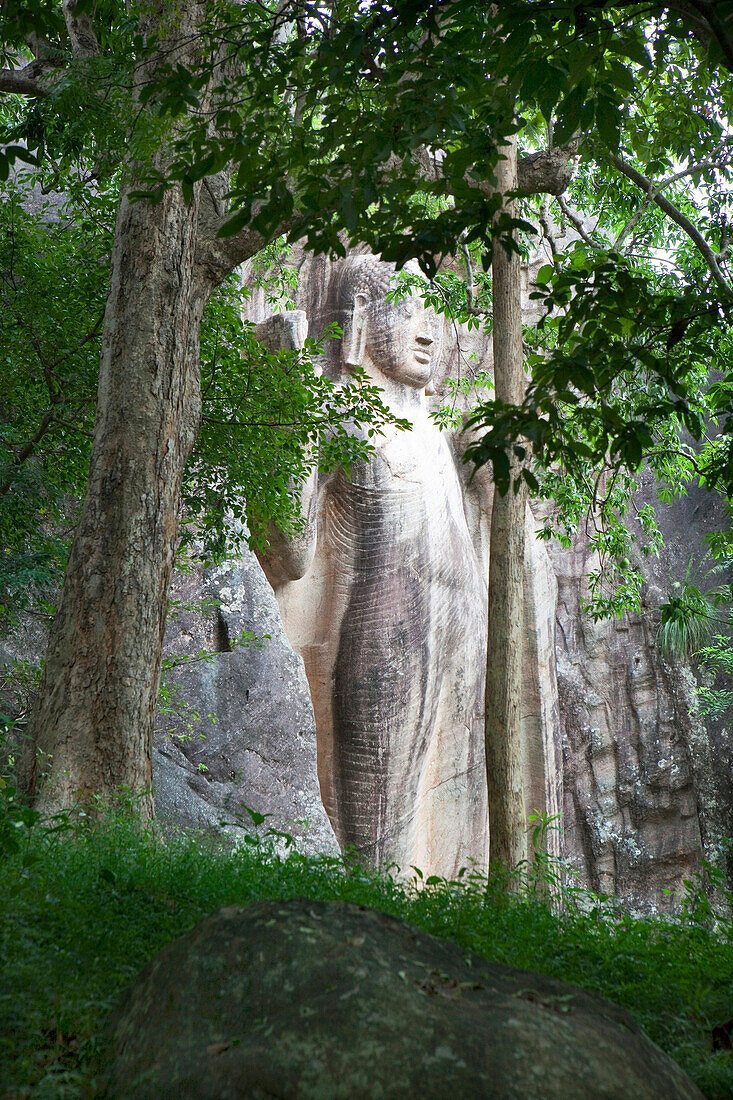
(400,338)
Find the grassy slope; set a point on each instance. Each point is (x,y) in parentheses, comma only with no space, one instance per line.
(81,912)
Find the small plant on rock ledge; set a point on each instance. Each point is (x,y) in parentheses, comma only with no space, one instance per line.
(690,616)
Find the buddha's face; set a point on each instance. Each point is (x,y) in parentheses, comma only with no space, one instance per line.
(403,339)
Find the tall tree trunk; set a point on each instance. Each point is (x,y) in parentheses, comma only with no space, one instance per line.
(507,823)
(92,729)
(91,733)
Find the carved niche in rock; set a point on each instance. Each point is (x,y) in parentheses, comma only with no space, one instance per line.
(384,597)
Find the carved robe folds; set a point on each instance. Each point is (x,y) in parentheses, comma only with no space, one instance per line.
(390,614)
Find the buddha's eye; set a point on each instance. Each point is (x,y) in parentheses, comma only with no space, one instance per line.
(407,308)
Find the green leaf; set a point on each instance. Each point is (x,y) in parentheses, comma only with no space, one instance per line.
(235,223)
(257,818)
(19,152)
(635,49)
(569,113)
(532,482)
(608,122)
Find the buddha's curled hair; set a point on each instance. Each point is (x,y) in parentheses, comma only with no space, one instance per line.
(360,275)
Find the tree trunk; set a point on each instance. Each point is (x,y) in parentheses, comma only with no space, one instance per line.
(91,733)
(92,730)
(507,824)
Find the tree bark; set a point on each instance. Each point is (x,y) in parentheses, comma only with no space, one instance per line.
(92,728)
(90,736)
(507,824)
(91,733)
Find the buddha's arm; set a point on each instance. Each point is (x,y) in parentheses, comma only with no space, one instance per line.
(289,556)
(477,489)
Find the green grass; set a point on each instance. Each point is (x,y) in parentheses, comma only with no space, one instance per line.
(82,910)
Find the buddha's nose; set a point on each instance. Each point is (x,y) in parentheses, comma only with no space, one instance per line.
(424,341)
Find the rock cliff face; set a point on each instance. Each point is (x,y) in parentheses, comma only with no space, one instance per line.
(647,790)
(392,589)
(238,734)
(611,739)
(630,809)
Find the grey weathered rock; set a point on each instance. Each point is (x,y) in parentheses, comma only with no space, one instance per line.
(630,814)
(647,782)
(253,743)
(325,1000)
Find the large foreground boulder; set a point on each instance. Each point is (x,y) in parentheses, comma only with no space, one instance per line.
(324,1000)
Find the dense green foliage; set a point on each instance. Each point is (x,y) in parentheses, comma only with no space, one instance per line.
(382,123)
(53,286)
(261,411)
(83,909)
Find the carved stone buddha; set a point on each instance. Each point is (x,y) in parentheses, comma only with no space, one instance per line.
(385,599)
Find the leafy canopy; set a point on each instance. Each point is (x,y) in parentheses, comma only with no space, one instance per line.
(383,123)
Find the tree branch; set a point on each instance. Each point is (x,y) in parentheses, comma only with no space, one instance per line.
(702,17)
(469,272)
(573,217)
(26,81)
(81,34)
(679,453)
(548,172)
(50,419)
(656,189)
(25,452)
(678,218)
(55,396)
(218,256)
(701,167)
(632,223)
(546,225)
(702,12)
(39,46)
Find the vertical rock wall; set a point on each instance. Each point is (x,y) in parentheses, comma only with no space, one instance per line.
(630,809)
(445,834)
(612,741)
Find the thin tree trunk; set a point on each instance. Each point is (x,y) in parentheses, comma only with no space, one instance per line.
(92,729)
(507,824)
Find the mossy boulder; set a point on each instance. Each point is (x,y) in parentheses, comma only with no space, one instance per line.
(324,999)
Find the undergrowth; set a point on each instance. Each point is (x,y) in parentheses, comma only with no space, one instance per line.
(84,906)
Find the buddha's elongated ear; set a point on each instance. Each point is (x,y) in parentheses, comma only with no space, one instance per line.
(354,338)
